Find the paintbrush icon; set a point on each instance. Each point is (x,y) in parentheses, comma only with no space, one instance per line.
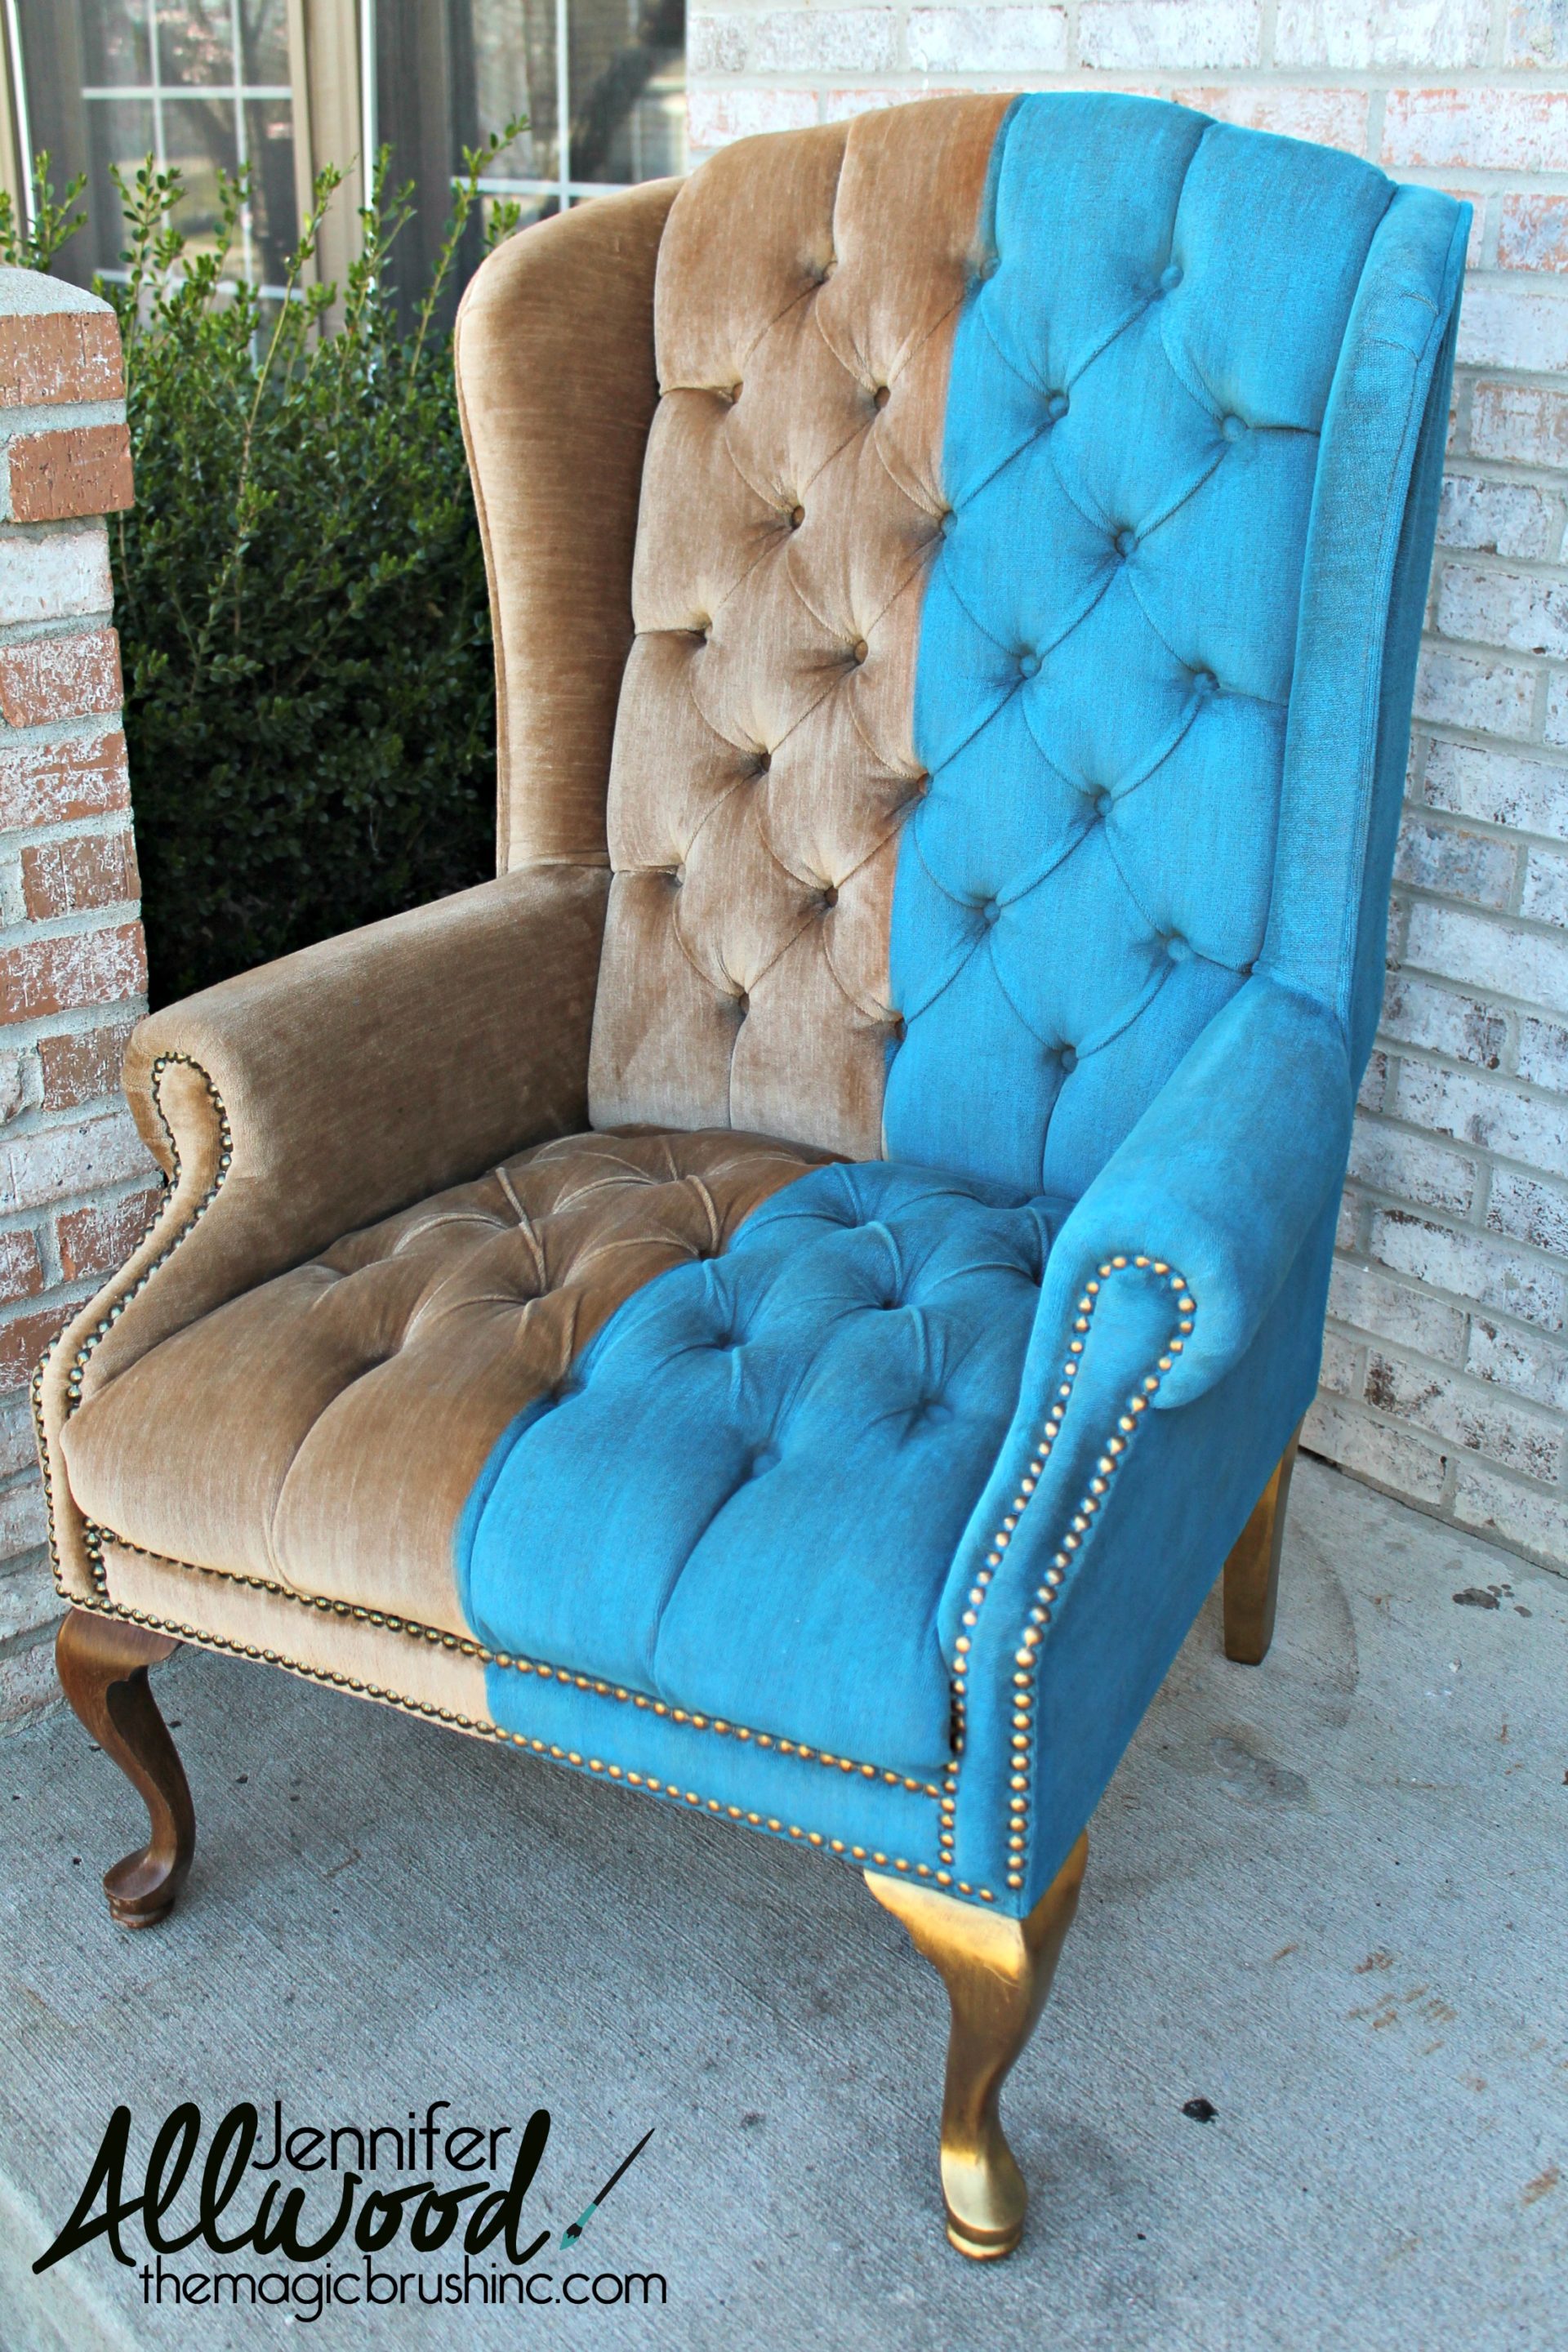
(569,2236)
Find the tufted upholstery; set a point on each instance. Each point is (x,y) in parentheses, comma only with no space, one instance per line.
(790,1439)
(763,755)
(322,1431)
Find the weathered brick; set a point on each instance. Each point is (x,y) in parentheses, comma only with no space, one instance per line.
(73,676)
(21,1271)
(60,576)
(1460,690)
(1500,128)
(1380,1451)
(52,1164)
(1518,326)
(1342,1367)
(1452,1407)
(1498,517)
(22,1527)
(715,44)
(78,968)
(1518,1359)
(1170,33)
(1359,35)
(1533,233)
(1556,728)
(715,117)
(83,1064)
(1526,1516)
(18,1446)
(66,877)
(1481,1110)
(1520,610)
(1469,1265)
(1353,1216)
(1525,423)
(49,783)
(1388,1160)
(821,40)
(1475,865)
(1507,787)
(1528,1209)
(1375,1082)
(1394,1311)
(987,40)
(1444,1021)
(51,357)
(83,469)
(1492,954)
(1543,1051)
(1537,33)
(23,1340)
(99,1237)
(1545,894)
(1334,118)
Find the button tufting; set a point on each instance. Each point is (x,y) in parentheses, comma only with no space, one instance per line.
(1231,427)
(829,897)
(896,1025)
(743,1004)
(1124,542)
(1057,406)
(1103,805)
(1069,1060)
(1170,278)
(880,397)
(734,393)
(1205,682)
(764,761)
(989,911)
(678,875)
(1028,664)
(858,650)
(796,516)
(947,523)
(1177,949)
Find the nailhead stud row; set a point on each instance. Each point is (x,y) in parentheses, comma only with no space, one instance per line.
(1021,1728)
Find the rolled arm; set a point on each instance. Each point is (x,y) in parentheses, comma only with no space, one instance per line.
(297,1102)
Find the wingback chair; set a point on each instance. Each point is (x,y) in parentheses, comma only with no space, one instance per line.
(789,1297)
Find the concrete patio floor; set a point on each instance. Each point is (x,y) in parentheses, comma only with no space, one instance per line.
(1328,1895)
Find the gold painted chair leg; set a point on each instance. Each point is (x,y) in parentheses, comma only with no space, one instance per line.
(102,1665)
(1252,1571)
(997,1972)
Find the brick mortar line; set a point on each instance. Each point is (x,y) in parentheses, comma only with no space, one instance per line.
(1550,1418)
(1487,1157)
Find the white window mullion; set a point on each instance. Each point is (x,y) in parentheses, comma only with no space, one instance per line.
(562,104)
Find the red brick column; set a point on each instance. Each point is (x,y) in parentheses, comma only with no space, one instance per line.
(76,1186)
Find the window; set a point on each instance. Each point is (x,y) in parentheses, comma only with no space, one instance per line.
(602,81)
(205,85)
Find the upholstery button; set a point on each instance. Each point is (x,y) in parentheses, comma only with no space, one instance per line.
(743,1004)
(796,516)
(1125,542)
(896,1024)
(880,396)
(1068,1059)
(1231,427)
(1057,406)
(829,897)
(1104,804)
(858,650)
(1205,682)
(734,393)
(989,911)
(948,523)
(678,875)
(1177,949)
(1171,277)
(1028,664)
(764,761)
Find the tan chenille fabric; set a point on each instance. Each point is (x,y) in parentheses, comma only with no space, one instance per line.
(323,1431)
(807,292)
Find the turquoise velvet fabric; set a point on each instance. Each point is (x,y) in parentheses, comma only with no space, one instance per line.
(748,1497)
(1193,438)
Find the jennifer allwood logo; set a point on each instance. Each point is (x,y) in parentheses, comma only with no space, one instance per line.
(350,2203)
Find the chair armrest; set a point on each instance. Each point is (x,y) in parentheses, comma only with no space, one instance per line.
(1189,1279)
(298,1102)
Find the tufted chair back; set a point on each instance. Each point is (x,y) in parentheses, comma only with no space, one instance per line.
(983,724)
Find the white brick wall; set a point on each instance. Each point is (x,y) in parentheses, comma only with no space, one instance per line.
(1445,1367)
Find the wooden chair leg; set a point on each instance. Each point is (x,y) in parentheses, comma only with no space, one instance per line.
(102,1665)
(1252,1571)
(997,1972)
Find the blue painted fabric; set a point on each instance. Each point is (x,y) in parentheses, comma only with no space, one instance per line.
(965,1435)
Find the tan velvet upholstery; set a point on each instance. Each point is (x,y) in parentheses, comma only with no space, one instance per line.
(764,757)
(556,382)
(322,1431)
(300,1100)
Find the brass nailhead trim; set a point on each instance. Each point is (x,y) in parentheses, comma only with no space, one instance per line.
(1032,1635)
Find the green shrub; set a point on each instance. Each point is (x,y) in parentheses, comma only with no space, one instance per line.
(301,594)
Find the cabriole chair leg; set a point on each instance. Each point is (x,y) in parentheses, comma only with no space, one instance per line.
(103,1664)
(1252,1571)
(997,1972)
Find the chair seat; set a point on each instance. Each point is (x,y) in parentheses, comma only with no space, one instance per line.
(698,1414)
